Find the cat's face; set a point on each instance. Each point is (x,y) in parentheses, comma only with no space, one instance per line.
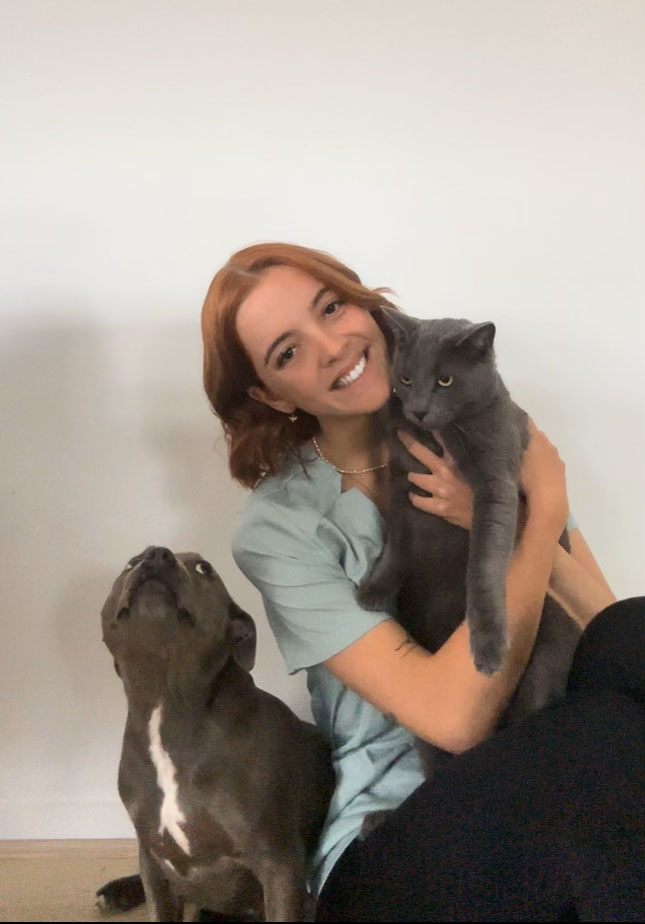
(442,369)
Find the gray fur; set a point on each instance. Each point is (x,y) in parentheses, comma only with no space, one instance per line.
(430,572)
(254,780)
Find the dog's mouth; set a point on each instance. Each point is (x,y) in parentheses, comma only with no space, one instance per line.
(161,589)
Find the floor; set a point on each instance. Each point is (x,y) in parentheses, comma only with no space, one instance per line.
(57,880)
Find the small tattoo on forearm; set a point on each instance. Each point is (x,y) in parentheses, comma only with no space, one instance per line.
(408,643)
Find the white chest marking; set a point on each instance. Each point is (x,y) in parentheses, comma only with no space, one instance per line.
(171,815)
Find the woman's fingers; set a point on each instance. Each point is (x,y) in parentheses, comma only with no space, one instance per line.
(450,496)
(433,484)
(436,505)
(447,457)
(421,453)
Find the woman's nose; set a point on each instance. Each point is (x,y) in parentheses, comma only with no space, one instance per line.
(330,346)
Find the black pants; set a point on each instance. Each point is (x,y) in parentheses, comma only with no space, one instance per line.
(544,816)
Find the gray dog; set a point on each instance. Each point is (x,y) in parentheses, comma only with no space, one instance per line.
(227,789)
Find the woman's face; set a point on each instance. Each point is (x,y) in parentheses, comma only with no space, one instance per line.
(310,350)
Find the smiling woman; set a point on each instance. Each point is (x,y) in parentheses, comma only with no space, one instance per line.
(325,348)
(296,365)
(306,323)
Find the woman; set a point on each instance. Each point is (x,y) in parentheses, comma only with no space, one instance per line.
(520,824)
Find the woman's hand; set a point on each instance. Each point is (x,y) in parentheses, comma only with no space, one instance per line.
(452,497)
(543,479)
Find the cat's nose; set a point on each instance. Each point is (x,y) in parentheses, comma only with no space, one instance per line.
(419,413)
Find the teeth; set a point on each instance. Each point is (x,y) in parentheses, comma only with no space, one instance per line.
(353,374)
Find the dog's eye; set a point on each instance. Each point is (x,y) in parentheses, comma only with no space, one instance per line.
(445,381)
(405,381)
(203,567)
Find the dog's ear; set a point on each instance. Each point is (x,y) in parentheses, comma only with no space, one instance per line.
(243,636)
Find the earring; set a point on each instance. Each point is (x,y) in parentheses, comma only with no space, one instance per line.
(293,416)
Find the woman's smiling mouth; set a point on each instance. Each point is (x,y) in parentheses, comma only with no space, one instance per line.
(353,374)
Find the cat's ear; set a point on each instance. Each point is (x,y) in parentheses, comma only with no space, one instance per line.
(478,339)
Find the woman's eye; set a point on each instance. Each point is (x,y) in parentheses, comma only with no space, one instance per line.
(331,308)
(405,380)
(444,380)
(285,357)
(203,567)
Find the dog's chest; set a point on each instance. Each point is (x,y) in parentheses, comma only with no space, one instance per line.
(169,821)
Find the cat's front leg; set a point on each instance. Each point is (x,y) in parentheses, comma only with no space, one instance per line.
(491,546)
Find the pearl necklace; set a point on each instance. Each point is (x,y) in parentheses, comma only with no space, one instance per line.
(347,471)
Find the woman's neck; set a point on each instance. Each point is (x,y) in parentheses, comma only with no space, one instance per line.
(352,442)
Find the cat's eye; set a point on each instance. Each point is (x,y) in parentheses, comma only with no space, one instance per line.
(203,567)
(445,381)
(405,381)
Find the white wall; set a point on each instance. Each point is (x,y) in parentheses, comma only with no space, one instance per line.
(484,159)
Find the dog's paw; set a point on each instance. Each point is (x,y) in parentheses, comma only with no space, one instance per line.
(120,894)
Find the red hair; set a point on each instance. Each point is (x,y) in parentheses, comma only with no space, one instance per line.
(257,435)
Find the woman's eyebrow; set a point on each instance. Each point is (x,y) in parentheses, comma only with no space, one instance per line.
(288,333)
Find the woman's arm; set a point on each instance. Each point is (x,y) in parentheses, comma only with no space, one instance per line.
(577,582)
(441,697)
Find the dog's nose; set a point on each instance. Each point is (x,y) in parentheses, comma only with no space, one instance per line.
(159,556)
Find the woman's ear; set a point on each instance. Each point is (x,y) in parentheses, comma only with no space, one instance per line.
(265,397)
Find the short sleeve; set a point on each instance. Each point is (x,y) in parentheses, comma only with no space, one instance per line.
(309,599)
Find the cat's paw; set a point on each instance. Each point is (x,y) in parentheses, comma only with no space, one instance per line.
(488,647)
(370,596)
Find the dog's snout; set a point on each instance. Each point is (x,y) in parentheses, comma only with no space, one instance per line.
(158,555)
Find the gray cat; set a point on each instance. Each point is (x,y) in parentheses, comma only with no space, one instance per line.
(431,572)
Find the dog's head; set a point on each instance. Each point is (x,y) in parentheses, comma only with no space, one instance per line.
(168,605)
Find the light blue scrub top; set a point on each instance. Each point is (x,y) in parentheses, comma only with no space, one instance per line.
(306,546)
